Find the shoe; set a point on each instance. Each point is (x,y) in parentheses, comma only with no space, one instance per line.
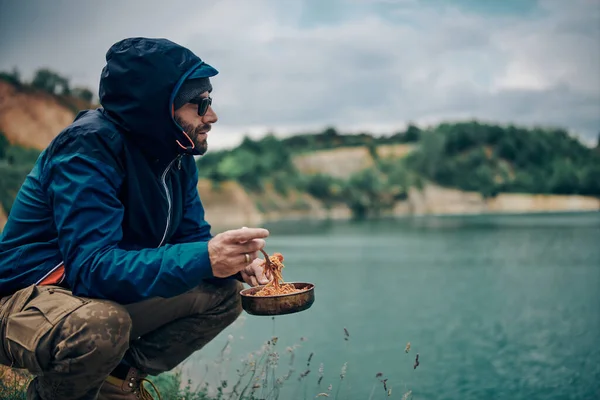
(130,388)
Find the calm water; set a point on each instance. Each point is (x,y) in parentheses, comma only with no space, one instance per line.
(498,307)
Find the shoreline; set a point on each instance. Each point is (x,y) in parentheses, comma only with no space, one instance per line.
(231,206)
(234,207)
(405,217)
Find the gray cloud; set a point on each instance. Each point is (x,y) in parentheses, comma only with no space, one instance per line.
(290,68)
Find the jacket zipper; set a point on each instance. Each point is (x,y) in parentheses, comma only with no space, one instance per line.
(164,183)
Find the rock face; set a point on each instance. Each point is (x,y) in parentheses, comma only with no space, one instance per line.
(339,163)
(231,207)
(343,162)
(433,199)
(228,205)
(296,206)
(2,218)
(515,202)
(31,119)
(394,150)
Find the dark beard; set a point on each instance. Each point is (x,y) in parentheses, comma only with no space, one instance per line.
(201,145)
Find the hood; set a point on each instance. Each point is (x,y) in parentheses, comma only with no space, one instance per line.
(137,88)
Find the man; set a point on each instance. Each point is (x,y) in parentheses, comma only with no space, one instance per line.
(108,269)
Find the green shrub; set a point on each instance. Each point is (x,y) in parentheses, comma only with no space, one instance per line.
(4,145)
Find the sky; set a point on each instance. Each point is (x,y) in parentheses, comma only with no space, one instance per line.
(291,66)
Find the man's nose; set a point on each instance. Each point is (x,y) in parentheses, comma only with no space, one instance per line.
(210,117)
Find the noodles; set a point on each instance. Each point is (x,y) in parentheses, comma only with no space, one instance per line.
(276,286)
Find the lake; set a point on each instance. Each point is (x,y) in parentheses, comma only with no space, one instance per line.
(497,307)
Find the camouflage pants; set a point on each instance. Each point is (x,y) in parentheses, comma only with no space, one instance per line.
(72,343)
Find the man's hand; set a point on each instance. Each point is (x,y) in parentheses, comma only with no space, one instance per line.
(254,273)
(227,251)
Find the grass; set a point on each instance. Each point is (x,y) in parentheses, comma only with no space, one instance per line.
(263,374)
(13,383)
(273,372)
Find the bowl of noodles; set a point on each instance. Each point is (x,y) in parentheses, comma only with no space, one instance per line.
(277,297)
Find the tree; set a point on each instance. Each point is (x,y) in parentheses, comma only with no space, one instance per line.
(13,77)
(564,179)
(590,179)
(83,94)
(427,159)
(412,134)
(330,133)
(3,145)
(368,192)
(51,82)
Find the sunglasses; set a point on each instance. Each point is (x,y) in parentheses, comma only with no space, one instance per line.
(203,104)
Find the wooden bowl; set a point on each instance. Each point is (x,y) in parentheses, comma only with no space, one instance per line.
(279,304)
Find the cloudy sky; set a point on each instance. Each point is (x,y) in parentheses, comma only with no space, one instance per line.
(301,65)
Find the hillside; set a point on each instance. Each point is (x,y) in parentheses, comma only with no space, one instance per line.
(345,161)
(497,166)
(492,159)
(2,217)
(31,118)
(446,169)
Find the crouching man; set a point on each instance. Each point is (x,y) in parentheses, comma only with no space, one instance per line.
(108,270)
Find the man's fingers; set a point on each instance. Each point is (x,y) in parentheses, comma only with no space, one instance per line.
(260,275)
(252,257)
(244,227)
(233,250)
(256,269)
(254,281)
(246,234)
(246,277)
(251,246)
(256,263)
(253,274)
(249,279)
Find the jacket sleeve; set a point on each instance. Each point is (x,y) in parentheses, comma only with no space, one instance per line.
(88,216)
(193,226)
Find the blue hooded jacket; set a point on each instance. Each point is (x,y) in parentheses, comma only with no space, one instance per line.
(113,198)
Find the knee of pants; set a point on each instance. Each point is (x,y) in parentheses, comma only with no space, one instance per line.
(232,298)
(99,331)
(233,301)
(230,288)
(224,295)
(230,292)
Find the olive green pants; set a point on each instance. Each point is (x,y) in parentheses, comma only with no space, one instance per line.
(72,343)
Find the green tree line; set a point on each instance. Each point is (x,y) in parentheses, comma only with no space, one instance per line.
(493,159)
(15,163)
(49,81)
(470,156)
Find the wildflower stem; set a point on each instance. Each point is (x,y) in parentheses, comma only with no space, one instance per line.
(252,377)
(372,391)
(239,381)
